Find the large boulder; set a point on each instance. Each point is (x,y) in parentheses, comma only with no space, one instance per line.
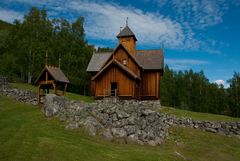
(53,104)
(91,125)
(106,134)
(119,132)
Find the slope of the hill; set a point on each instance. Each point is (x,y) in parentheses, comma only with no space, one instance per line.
(25,134)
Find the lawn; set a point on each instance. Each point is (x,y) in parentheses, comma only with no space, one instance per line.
(72,96)
(25,134)
(197,115)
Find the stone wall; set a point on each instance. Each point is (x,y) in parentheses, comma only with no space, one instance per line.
(130,121)
(20,95)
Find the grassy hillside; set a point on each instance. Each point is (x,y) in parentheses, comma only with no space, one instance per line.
(25,134)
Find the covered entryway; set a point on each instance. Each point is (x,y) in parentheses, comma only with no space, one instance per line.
(113,89)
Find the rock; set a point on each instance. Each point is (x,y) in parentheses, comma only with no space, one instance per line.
(151,143)
(223,131)
(216,125)
(91,125)
(207,124)
(107,134)
(114,117)
(142,135)
(119,132)
(237,132)
(53,105)
(140,142)
(211,130)
(131,120)
(132,138)
(147,112)
(158,140)
(130,129)
(121,114)
(72,126)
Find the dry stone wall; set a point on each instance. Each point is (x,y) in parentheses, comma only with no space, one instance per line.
(24,96)
(128,120)
(131,121)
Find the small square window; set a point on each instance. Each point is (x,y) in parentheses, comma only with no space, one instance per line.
(124,62)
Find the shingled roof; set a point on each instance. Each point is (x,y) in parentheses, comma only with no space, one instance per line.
(97,61)
(150,59)
(126,32)
(147,59)
(56,73)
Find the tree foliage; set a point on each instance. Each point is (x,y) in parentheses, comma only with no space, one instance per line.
(193,91)
(37,41)
(25,45)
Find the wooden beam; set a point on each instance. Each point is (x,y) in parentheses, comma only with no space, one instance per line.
(46,82)
(65,89)
(46,76)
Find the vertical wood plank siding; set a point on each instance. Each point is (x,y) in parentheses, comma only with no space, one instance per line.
(125,84)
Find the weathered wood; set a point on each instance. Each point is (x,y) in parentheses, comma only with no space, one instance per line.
(129,43)
(114,74)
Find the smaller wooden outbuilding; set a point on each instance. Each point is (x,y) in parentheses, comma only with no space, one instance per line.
(51,78)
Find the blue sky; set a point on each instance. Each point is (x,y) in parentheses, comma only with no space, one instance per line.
(198,34)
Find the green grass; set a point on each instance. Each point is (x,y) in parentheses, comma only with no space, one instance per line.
(72,96)
(24,86)
(197,115)
(25,134)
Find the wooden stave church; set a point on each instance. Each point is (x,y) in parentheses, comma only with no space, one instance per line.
(127,73)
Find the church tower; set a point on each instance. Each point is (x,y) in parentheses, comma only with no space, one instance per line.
(127,38)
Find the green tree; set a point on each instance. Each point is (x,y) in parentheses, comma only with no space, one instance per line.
(234,95)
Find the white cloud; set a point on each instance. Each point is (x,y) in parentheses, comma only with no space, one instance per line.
(219,82)
(222,82)
(10,15)
(200,13)
(103,21)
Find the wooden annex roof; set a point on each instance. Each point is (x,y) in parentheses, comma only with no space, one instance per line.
(56,73)
(147,59)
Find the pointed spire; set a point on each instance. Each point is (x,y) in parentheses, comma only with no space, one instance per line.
(126,32)
(127,21)
(46,61)
(59,62)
